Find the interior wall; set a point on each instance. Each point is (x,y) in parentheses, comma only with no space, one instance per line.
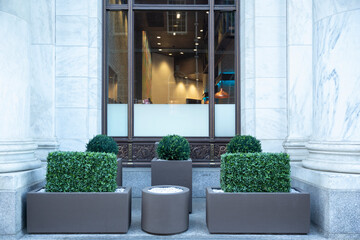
(165,89)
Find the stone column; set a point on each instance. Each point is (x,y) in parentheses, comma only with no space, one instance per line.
(20,170)
(335,143)
(299,78)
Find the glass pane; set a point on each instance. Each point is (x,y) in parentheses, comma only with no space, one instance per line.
(171,68)
(171,2)
(225,2)
(117,73)
(224,74)
(117,1)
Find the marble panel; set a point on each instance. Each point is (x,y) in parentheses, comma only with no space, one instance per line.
(94,67)
(299,25)
(249,94)
(270,62)
(71,7)
(300,92)
(270,32)
(249,6)
(94,5)
(43,21)
(93,93)
(270,8)
(72,61)
(71,123)
(336,75)
(271,123)
(326,8)
(74,144)
(72,92)
(18,8)
(249,63)
(274,146)
(42,119)
(93,123)
(14,77)
(72,31)
(248,124)
(271,93)
(249,33)
(94,25)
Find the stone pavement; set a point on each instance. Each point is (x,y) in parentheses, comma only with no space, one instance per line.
(197,229)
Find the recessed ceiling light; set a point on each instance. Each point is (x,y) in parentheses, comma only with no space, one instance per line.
(158,43)
(201,30)
(174,33)
(195,50)
(197,79)
(181,53)
(160,50)
(198,37)
(158,37)
(197,44)
(178,15)
(186,77)
(207,12)
(170,54)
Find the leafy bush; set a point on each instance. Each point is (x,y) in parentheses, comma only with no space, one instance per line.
(81,172)
(102,143)
(255,172)
(243,144)
(173,147)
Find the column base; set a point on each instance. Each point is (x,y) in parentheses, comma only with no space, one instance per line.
(296,148)
(341,157)
(45,146)
(13,189)
(334,200)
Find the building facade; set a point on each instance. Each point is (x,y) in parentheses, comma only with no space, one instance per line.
(284,71)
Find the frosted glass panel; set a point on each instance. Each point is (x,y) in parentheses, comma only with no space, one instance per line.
(117,122)
(224,120)
(188,120)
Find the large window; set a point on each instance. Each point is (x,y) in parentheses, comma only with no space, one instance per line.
(171,68)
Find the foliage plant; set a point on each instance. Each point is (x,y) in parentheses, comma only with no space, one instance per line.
(255,172)
(81,172)
(173,147)
(102,143)
(243,144)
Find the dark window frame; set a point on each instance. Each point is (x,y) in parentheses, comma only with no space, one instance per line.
(212,140)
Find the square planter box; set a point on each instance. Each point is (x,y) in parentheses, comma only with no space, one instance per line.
(172,172)
(119,172)
(286,213)
(78,212)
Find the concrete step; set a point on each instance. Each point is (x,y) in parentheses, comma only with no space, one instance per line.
(197,229)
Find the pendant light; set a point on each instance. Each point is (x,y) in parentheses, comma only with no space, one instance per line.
(221,94)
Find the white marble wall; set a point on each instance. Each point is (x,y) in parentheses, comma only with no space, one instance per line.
(78,72)
(299,77)
(335,143)
(264,64)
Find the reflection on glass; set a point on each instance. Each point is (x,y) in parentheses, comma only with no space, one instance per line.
(171,68)
(117,73)
(225,2)
(224,74)
(117,1)
(171,2)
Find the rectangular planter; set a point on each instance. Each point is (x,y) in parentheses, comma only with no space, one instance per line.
(172,172)
(73,212)
(286,213)
(119,172)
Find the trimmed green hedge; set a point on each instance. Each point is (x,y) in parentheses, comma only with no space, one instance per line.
(173,147)
(243,144)
(102,143)
(81,172)
(255,172)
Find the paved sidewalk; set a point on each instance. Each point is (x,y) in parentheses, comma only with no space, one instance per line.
(197,229)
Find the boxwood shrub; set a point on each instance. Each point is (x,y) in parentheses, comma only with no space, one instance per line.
(173,147)
(255,172)
(102,143)
(243,144)
(81,172)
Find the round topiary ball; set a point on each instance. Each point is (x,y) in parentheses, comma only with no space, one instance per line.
(243,144)
(102,143)
(173,147)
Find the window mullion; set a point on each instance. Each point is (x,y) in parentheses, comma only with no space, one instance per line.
(130,70)
(211,70)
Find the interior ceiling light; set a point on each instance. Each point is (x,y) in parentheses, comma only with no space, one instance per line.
(158,37)
(198,37)
(160,50)
(158,43)
(178,15)
(181,53)
(186,77)
(197,44)
(221,94)
(201,30)
(170,54)
(174,33)
(195,50)
(207,12)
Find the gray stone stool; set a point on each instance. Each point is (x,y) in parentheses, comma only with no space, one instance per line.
(165,213)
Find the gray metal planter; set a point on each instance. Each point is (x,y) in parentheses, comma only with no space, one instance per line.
(165,213)
(172,172)
(286,213)
(57,212)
